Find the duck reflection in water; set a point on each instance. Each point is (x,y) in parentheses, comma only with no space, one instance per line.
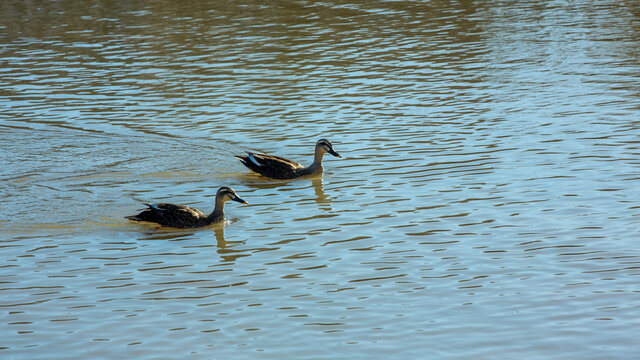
(226,249)
(321,197)
(218,230)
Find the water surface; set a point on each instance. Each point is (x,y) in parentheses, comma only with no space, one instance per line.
(486,206)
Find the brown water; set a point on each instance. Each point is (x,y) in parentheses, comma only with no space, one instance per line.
(486,207)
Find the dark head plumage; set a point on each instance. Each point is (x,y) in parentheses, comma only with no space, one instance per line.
(226,193)
(327,146)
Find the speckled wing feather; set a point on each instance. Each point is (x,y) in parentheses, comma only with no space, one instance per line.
(171,215)
(272,166)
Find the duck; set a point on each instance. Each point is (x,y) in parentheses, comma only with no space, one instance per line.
(277,167)
(181,216)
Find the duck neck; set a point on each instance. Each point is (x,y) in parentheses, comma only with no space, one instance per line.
(316,166)
(218,210)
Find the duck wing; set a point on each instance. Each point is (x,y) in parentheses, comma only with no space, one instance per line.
(272,166)
(170,215)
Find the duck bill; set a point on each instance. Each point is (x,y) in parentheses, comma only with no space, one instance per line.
(241,201)
(334,153)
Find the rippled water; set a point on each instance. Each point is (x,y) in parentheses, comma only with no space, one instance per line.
(486,206)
